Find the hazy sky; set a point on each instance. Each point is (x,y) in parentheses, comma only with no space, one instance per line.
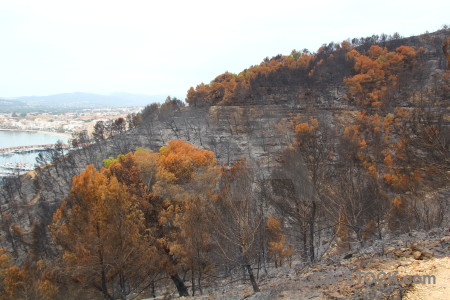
(164,47)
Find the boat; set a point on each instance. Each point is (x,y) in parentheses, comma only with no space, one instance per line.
(20,166)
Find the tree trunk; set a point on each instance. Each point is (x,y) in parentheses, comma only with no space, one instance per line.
(153,289)
(181,287)
(359,237)
(259,266)
(304,241)
(104,286)
(252,278)
(379,227)
(311,231)
(193,281)
(123,295)
(106,295)
(199,285)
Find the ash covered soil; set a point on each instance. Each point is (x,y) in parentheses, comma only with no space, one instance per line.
(423,257)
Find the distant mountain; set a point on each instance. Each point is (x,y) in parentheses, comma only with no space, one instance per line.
(78,100)
(7,105)
(7,102)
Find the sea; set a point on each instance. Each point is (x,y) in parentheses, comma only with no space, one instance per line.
(23,138)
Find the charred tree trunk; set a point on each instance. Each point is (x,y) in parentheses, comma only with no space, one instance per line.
(311,231)
(199,284)
(153,289)
(104,286)
(304,242)
(252,278)
(181,287)
(193,281)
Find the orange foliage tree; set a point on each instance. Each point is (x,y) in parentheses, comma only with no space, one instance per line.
(401,151)
(186,178)
(102,234)
(377,75)
(315,148)
(172,188)
(278,250)
(298,68)
(28,281)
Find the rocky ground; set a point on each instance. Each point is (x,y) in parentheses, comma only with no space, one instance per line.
(410,266)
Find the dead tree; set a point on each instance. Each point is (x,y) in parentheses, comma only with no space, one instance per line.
(236,219)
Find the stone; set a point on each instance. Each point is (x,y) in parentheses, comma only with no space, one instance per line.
(389,250)
(398,253)
(427,254)
(417,255)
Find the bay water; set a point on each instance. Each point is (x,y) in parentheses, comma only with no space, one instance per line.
(23,138)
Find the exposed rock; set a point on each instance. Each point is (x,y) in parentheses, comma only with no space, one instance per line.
(417,255)
(348,256)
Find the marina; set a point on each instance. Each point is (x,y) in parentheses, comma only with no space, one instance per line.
(10,169)
(28,149)
(18,150)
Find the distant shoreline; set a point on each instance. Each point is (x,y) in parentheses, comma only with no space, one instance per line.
(58,134)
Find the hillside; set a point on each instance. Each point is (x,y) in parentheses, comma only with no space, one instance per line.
(344,149)
(336,277)
(318,77)
(8,105)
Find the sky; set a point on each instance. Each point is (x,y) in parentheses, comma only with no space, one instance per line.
(165,47)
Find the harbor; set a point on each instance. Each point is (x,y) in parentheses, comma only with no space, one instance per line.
(10,169)
(18,150)
(28,149)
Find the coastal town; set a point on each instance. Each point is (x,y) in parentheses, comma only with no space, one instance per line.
(20,159)
(64,123)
